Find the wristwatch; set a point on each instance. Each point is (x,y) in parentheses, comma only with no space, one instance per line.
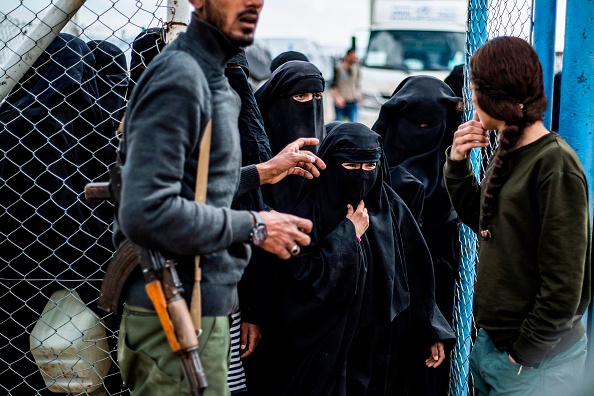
(258,233)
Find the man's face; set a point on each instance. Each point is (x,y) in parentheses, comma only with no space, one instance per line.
(237,19)
(351,58)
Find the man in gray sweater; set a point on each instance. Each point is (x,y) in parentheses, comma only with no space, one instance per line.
(178,93)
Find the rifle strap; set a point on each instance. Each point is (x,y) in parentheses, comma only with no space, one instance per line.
(200,197)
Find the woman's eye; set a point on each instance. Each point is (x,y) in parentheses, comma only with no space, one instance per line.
(318,95)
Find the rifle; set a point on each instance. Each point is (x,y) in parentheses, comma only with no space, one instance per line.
(165,291)
(162,286)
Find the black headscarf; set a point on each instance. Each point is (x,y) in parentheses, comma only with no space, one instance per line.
(286,120)
(455,80)
(286,56)
(254,141)
(50,237)
(253,287)
(324,201)
(421,152)
(145,47)
(338,299)
(112,80)
(50,149)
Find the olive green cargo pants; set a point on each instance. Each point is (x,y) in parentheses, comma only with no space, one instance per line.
(149,367)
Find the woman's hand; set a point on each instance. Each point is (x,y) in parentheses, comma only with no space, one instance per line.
(468,136)
(359,217)
(437,354)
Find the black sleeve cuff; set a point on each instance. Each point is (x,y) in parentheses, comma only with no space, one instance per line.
(249,180)
(519,359)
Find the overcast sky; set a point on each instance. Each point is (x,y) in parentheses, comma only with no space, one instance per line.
(329,22)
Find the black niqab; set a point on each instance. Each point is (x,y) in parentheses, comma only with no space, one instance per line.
(345,307)
(50,149)
(420,150)
(51,238)
(286,120)
(145,47)
(254,141)
(324,201)
(112,81)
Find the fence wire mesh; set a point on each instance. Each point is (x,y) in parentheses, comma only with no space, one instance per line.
(57,134)
(57,127)
(487,19)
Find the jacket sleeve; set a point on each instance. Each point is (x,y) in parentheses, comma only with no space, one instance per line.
(171,105)
(563,258)
(464,191)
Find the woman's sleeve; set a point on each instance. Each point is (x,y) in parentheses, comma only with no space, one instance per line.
(464,191)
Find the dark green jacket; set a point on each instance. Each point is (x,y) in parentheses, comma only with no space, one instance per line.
(533,276)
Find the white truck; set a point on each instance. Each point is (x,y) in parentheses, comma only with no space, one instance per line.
(409,37)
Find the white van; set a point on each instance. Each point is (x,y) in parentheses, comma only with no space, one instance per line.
(409,37)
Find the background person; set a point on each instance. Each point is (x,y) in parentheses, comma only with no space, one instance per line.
(531,212)
(345,88)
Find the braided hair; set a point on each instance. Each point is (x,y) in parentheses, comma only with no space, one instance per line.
(508,85)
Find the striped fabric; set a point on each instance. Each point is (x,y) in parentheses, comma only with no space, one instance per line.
(236,378)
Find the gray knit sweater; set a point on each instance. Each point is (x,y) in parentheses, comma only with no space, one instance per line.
(180,90)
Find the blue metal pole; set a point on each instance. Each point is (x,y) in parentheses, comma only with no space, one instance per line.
(544,18)
(576,119)
(463,320)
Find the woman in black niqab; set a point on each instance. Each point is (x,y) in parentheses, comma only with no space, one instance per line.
(417,124)
(112,82)
(51,239)
(347,307)
(286,120)
(148,44)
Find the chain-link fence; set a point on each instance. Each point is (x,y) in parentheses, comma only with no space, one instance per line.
(57,127)
(487,19)
(57,134)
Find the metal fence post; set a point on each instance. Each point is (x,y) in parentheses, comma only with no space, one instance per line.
(178,17)
(576,115)
(544,19)
(463,319)
(56,17)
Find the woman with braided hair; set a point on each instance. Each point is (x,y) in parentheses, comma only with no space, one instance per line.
(531,212)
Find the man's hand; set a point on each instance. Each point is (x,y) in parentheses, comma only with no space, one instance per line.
(249,336)
(437,354)
(292,161)
(285,233)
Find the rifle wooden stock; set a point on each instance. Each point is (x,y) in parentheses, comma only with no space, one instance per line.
(118,270)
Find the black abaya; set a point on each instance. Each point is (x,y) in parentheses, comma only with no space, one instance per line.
(347,311)
(49,150)
(417,124)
